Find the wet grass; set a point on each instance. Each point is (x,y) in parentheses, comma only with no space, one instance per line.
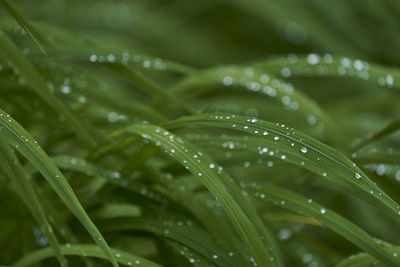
(214,133)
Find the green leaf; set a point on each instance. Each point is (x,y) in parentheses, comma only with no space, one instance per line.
(12,167)
(29,73)
(291,201)
(364,259)
(264,83)
(16,135)
(307,152)
(188,236)
(327,65)
(85,250)
(388,129)
(33,33)
(238,208)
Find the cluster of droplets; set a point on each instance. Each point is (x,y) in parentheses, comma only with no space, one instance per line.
(114,117)
(262,83)
(187,253)
(40,238)
(125,58)
(253,128)
(65,85)
(179,144)
(326,64)
(385,169)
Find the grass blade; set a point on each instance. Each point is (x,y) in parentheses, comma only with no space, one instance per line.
(17,136)
(315,65)
(332,220)
(388,129)
(11,165)
(39,40)
(237,207)
(335,166)
(27,71)
(191,237)
(85,250)
(364,259)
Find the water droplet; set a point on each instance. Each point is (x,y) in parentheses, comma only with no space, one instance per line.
(212,166)
(276,138)
(323,210)
(313,59)
(65,89)
(286,72)
(397,176)
(381,169)
(304,149)
(311,119)
(93,58)
(357,175)
(227,80)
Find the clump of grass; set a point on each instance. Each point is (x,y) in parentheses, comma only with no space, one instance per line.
(134,133)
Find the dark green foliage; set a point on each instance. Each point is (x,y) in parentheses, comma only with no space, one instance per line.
(199,133)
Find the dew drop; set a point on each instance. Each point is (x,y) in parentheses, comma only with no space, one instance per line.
(397,176)
(312,59)
(65,89)
(93,58)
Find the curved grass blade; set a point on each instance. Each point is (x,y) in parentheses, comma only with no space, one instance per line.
(238,208)
(182,236)
(16,135)
(264,83)
(139,79)
(364,259)
(327,65)
(27,71)
(71,47)
(332,220)
(191,237)
(11,165)
(84,251)
(39,40)
(336,167)
(390,128)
